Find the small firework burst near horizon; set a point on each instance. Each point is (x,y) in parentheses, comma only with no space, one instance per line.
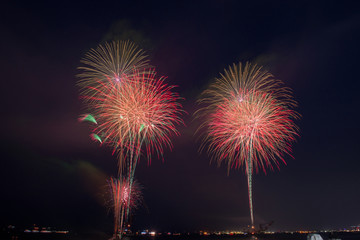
(123,197)
(248,120)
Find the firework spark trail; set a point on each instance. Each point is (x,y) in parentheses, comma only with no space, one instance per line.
(249,121)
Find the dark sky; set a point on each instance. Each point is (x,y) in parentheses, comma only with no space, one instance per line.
(53,174)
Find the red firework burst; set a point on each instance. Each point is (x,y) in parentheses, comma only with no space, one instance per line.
(248,120)
(255,126)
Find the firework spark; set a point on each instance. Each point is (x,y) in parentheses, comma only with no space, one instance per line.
(249,120)
(87,117)
(123,197)
(95,137)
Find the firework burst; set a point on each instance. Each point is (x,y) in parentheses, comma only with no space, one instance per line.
(249,120)
(132,107)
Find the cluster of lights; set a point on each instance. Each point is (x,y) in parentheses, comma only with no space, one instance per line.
(45,230)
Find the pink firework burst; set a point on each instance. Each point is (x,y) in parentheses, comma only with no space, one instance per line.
(248,114)
(249,120)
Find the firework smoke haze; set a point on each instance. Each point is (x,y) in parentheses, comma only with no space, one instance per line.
(248,120)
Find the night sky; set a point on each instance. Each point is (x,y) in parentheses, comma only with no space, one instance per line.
(52,174)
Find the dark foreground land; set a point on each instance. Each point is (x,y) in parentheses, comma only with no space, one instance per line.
(101,236)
